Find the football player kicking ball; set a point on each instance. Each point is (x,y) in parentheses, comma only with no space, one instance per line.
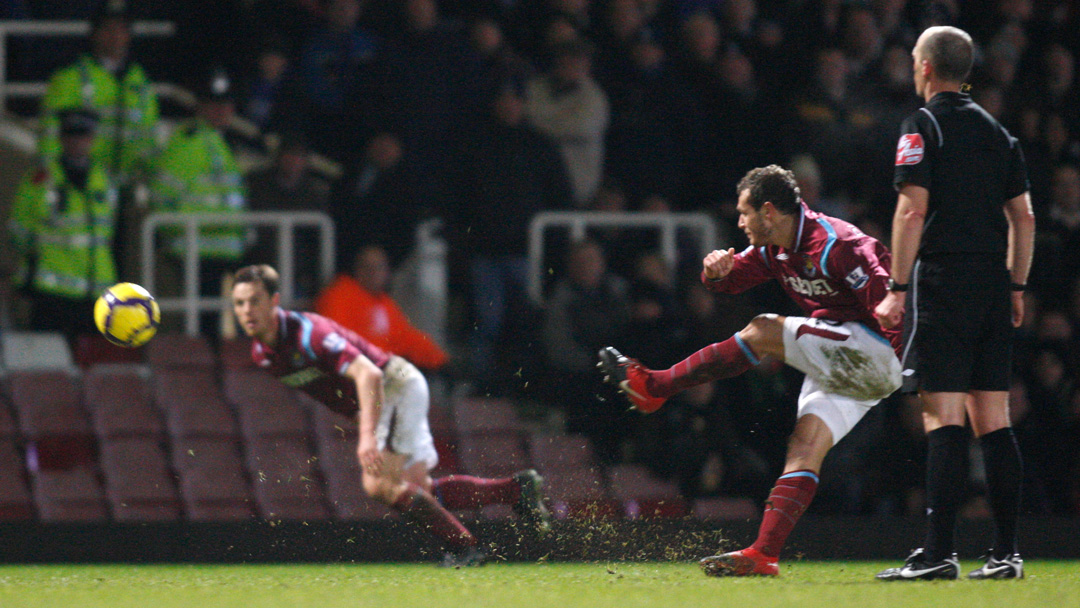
(837,275)
(389,397)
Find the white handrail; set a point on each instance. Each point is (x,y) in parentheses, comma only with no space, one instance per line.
(285,221)
(579,221)
(57,28)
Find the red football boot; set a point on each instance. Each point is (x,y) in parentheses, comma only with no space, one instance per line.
(748,562)
(629,377)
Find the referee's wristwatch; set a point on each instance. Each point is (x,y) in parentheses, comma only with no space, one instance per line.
(894,286)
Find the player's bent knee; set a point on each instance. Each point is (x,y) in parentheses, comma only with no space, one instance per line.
(380,488)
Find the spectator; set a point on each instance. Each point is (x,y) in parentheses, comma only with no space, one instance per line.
(335,74)
(588,308)
(568,106)
(377,201)
(197,173)
(289,185)
(360,302)
(496,61)
(61,226)
(265,89)
(508,173)
(107,82)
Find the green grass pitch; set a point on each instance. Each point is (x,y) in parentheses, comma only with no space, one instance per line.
(509,585)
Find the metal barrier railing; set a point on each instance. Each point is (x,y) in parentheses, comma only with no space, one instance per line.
(191,303)
(578,222)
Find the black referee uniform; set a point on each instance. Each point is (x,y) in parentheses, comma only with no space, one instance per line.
(958,325)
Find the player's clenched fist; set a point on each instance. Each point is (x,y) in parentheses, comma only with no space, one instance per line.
(719,263)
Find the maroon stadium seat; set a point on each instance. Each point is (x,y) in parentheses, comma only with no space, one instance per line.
(492,455)
(69,495)
(94,349)
(236,354)
(561,452)
(192,404)
(725,508)
(213,485)
(138,483)
(579,493)
(119,400)
(47,403)
(170,350)
(15,501)
(7,421)
(476,415)
(644,495)
(285,479)
(265,407)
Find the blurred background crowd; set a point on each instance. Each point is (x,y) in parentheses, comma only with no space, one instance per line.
(483,113)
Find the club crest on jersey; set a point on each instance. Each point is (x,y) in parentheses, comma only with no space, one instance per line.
(808,269)
(297,360)
(910,149)
(857,278)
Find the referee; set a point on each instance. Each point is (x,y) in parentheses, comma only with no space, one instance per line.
(962,242)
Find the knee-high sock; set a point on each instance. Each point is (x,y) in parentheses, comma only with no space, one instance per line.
(468,492)
(420,508)
(946,477)
(1004,477)
(714,362)
(788,500)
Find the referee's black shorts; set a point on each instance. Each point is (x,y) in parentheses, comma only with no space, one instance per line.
(958,324)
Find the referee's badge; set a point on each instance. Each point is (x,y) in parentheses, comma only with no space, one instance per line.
(909,151)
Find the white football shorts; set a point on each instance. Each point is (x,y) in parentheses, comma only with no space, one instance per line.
(848,368)
(403,423)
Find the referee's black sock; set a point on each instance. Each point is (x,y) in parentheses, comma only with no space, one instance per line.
(946,477)
(1004,476)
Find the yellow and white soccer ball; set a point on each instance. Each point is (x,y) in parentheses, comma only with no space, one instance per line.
(127,315)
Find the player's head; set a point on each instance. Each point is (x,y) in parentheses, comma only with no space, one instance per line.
(943,53)
(767,195)
(255,299)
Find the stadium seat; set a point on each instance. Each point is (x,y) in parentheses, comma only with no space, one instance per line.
(285,479)
(7,421)
(119,399)
(52,419)
(580,494)
(478,415)
(29,350)
(15,501)
(264,406)
(192,403)
(146,492)
(492,455)
(236,354)
(725,508)
(69,495)
(561,452)
(644,495)
(213,486)
(94,349)
(172,350)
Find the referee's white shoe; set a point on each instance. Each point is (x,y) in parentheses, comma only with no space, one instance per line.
(919,567)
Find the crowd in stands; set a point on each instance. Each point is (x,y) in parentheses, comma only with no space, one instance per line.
(485,112)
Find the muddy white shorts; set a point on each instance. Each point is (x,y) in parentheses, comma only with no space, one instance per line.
(403,423)
(848,368)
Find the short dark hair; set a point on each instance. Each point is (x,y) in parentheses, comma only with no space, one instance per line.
(950,51)
(259,273)
(773,184)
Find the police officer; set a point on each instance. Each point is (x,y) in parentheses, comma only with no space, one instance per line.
(962,242)
(197,173)
(62,226)
(117,89)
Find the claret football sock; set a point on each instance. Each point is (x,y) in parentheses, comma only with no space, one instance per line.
(946,474)
(714,362)
(1004,476)
(419,507)
(467,492)
(788,500)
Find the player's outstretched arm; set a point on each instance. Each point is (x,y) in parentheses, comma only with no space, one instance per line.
(369,391)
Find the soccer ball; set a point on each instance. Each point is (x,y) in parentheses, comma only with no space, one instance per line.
(127,315)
